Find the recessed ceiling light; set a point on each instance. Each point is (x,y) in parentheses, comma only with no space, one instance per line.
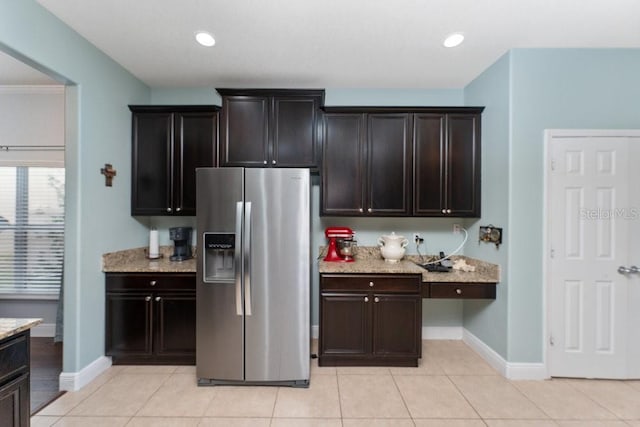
(205,39)
(453,40)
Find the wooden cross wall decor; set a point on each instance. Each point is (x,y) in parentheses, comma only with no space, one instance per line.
(109,172)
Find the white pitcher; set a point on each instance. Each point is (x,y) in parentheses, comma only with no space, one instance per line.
(392,247)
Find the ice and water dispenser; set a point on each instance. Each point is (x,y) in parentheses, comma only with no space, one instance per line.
(219,253)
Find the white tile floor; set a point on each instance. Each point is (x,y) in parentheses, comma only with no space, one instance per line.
(451,387)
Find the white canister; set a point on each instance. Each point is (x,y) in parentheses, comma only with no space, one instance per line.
(392,247)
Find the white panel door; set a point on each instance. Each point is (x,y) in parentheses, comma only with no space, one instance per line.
(592,220)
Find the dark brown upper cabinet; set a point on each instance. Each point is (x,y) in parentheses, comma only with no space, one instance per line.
(401,161)
(270,127)
(447,163)
(366,163)
(168,144)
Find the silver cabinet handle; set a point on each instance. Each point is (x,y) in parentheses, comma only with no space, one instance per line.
(366,299)
(158,299)
(369,210)
(444,211)
(376,299)
(152,283)
(371,284)
(448,210)
(264,163)
(169,210)
(178,209)
(273,162)
(458,291)
(147,298)
(360,210)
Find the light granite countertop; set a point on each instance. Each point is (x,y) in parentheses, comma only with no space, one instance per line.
(369,260)
(136,261)
(10,326)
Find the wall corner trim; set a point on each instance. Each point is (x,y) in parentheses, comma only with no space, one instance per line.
(74,381)
(510,370)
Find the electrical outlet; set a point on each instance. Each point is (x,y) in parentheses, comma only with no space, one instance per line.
(417,238)
(457,228)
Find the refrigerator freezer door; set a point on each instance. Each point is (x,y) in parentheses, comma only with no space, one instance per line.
(277,342)
(220,322)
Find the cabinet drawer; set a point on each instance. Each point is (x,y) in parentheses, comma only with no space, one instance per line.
(462,290)
(376,283)
(151,282)
(14,356)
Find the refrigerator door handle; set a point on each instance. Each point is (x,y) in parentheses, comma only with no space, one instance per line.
(237,257)
(247,258)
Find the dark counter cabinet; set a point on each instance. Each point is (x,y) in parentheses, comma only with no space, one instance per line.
(168,144)
(150,318)
(14,380)
(446,179)
(270,127)
(370,320)
(402,161)
(366,164)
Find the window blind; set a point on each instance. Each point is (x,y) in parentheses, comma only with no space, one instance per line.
(31,230)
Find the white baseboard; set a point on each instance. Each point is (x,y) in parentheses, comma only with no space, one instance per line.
(44,330)
(315,331)
(74,381)
(510,370)
(442,332)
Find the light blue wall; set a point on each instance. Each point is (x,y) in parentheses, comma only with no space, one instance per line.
(526,92)
(185,96)
(554,88)
(487,320)
(98,132)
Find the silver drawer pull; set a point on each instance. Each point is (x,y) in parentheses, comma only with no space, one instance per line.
(366,299)
(147,298)
(376,299)
(158,299)
(371,284)
(458,291)
(153,283)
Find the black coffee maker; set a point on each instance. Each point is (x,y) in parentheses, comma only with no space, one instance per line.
(181,237)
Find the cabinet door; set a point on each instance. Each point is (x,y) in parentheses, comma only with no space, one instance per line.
(151,164)
(388,165)
(175,325)
(244,133)
(345,328)
(342,165)
(128,324)
(295,132)
(15,402)
(429,164)
(463,165)
(397,321)
(196,148)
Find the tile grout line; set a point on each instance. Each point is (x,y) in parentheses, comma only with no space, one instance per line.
(393,378)
(465,398)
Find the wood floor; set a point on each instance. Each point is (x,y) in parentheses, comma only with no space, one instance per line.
(46,365)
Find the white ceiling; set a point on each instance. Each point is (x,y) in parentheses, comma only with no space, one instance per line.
(337,43)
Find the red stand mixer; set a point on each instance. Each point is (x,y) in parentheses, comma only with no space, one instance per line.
(341,244)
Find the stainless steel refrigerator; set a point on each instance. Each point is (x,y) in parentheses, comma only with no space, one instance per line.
(253,276)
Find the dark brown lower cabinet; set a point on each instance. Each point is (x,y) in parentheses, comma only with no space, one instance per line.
(453,290)
(150,318)
(370,320)
(14,380)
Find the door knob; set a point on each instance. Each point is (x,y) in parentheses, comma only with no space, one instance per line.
(628,270)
